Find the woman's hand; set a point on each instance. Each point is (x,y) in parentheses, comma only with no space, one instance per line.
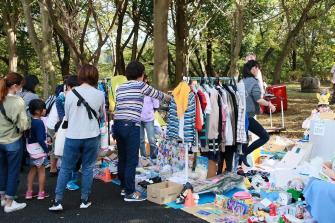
(272,107)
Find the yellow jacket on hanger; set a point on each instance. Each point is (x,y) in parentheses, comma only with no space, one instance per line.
(180,94)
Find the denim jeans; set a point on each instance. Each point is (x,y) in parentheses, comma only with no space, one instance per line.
(127,135)
(149,127)
(74,149)
(10,165)
(258,130)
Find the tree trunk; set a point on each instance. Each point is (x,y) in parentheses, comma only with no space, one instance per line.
(161,76)
(294,60)
(290,38)
(9,10)
(136,19)
(11,37)
(236,39)
(201,63)
(209,52)
(120,64)
(181,40)
(41,47)
(49,73)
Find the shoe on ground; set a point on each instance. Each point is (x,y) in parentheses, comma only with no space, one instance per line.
(42,195)
(3,202)
(14,207)
(134,197)
(123,192)
(71,185)
(29,195)
(56,206)
(85,204)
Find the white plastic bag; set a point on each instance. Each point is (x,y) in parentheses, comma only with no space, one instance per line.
(60,141)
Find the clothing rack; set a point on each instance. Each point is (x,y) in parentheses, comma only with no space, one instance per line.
(229,80)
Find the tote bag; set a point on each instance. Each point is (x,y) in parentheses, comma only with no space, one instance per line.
(36,151)
(60,141)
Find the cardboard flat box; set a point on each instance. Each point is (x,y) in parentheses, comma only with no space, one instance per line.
(327,115)
(165,192)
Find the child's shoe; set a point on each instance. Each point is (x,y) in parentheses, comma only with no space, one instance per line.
(42,195)
(29,195)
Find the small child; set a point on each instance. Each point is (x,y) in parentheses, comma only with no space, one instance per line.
(127,122)
(37,148)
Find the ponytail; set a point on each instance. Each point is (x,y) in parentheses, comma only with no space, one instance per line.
(11,79)
(3,89)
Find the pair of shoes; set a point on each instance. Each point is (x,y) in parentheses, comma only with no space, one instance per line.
(183,194)
(71,185)
(136,196)
(42,195)
(123,192)
(57,206)
(14,207)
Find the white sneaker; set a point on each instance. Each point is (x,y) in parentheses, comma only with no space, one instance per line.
(3,203)
(56,207)
(85,204)
(15,207)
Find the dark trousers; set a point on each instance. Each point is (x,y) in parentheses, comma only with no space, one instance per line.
(10,163)
(258,130)
(127,135)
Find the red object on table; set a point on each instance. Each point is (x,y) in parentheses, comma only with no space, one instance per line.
(279,93)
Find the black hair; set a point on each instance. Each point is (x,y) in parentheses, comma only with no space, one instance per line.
(72,81)
(36,105)
(30,83)
(247,68)
(134,70)
(59,89)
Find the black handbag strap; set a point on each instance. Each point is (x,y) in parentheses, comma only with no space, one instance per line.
(3,112)
(89,109)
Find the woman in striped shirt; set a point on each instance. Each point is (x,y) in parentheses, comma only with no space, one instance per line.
(129,104)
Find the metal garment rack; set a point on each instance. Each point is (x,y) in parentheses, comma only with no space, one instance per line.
(185,78)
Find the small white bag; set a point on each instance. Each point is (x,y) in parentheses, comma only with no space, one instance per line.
(60,140)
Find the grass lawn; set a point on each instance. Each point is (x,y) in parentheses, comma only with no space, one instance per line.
(300,106)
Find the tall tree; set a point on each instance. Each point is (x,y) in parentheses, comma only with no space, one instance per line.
(161,76)
(72,23)
(120,64)
(42,46)
(181,35)
(10,15)
(294,32)
(236,36)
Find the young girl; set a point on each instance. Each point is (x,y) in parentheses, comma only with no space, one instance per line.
(37,148)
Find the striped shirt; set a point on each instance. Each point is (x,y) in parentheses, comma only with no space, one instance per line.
(129,100)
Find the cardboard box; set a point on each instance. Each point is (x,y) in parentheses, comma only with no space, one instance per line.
(327,115)
(165,192)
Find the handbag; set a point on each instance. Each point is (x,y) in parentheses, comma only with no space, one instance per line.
(35,151)
(60,141)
